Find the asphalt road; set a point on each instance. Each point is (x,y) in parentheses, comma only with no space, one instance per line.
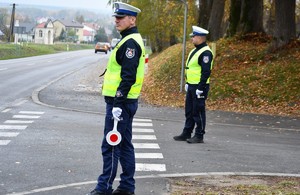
(55,146)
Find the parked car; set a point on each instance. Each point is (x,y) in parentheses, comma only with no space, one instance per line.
(102,47)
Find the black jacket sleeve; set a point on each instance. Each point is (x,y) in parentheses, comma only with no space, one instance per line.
(128,56)
(205,60)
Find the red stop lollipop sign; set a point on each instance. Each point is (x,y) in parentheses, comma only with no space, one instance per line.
(113,137)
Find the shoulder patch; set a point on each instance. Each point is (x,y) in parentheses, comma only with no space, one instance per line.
(205,59)
(130,53)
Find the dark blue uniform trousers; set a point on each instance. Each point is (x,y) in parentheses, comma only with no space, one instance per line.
(123,152)
(195,111)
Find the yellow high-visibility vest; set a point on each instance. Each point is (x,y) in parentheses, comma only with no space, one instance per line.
(112,78)
(193,69)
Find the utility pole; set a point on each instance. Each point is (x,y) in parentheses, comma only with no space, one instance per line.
(184,44)
(12,23)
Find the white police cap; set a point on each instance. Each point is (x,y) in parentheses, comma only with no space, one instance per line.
(124,9)
(198,31)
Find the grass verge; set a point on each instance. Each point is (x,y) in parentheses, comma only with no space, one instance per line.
(12,51)
(245,77)
(229,185)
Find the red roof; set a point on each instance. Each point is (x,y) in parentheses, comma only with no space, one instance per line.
(41,25)
(87,33)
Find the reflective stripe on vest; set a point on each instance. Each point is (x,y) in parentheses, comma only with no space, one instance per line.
(112,77)
(193,69)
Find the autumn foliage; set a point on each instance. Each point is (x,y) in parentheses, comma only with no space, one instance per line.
(246,77)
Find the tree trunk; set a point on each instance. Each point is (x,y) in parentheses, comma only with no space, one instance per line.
(205,7)
(285,25)
(215,20)
(251,16)
(270,18)
(234,18)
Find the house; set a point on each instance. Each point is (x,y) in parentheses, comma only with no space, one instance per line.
(88,36)
(24,31)
(44,33)
(69,29)
(89,32)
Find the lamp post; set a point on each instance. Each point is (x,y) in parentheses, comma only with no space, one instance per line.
(184,43)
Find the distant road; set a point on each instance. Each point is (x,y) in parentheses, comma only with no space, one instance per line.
(19,77)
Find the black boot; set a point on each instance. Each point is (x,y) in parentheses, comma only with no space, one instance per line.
(121,192)
(195,139)
(182,137)
(95,192)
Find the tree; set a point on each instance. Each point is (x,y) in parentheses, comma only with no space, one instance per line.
(215,20)
(3,20)
(251,16)
(246,16)
(205,7)
(234,17)
(101,35)
(115,33)
(270,14)
(285,26)
(62,36)
(80,19)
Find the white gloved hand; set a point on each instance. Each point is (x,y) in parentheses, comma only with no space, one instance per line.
(198,93)
(116,112)
(186,87)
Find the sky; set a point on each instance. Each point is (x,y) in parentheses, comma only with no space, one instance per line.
(85,4)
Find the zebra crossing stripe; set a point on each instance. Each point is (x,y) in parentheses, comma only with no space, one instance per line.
(31,112)
(17,122)
(146,146)
(150,167)
(137,130)
(26,116)
(8,134)
(149,155)
(144,137)
(141,120)
(4,142)
(15,127)
(142,124)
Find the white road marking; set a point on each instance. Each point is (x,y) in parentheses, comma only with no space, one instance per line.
(23,115)
(6,110)
(138,130)
(142,124)
(4,142)
(31,112)
(146,146)
(21,102)
(26,116)
(1,69)
(149,167)
(17,122)
(8,134)
(50,188)
(141,120)
(30,64)
(15,127)
(149,155)
(144,137)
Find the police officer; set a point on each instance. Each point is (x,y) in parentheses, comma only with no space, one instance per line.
(121,89)
(197,73)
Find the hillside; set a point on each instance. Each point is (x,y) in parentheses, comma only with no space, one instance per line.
(245,78)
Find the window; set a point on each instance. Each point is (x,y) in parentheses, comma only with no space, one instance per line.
(40,33)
